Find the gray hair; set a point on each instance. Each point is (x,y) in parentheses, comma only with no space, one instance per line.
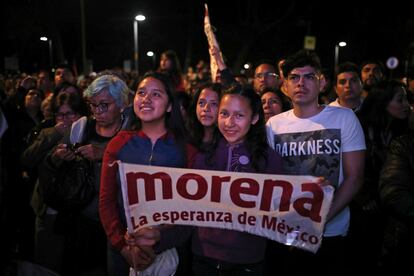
(116,87)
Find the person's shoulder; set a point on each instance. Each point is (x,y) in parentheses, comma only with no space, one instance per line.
(285,114)
(334,103)
(280,117)
(339,111)
(121,138)
(405,141)
(125,134)
(49,131)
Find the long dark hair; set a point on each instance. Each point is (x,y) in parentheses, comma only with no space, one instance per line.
(173,120)
(284,100)
(256,139)
(194,126)
(175,71)
(373,114)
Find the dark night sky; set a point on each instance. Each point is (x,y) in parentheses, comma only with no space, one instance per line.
(249,31)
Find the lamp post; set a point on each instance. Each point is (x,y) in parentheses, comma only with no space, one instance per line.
(340,44)
(152,56)
(137,18)
(44,38)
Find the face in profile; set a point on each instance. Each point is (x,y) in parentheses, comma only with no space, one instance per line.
(399,107)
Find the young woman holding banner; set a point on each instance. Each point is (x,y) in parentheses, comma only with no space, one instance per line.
(243,148)
(157,139)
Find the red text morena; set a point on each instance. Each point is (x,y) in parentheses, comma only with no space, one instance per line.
(309,207)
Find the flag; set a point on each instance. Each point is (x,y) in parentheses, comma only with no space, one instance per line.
(212,41)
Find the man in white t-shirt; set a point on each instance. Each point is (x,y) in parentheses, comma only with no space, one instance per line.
(321,141)
(348,87)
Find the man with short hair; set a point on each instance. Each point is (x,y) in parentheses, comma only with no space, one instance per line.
(372,72)
(348,87)
(322,141)
(265,76)
(63,74)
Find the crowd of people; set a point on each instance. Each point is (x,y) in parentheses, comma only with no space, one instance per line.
(168,118)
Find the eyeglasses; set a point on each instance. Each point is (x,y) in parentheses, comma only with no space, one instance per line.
(265,75)
(307,77)
(34,94)
(100,107)
(271,101)
(70,115)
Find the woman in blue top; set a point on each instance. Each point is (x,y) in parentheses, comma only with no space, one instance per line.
(157,139)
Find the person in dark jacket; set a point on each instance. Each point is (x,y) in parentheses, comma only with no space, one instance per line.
(107,97)
(396,188)
(49,246)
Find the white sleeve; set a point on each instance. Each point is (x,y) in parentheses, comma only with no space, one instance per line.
(270,135)
(352,135)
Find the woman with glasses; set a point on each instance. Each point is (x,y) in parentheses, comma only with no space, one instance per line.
(274,102)
(49,246)
(107,97)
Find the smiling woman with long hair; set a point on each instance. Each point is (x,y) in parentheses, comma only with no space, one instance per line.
(156,139)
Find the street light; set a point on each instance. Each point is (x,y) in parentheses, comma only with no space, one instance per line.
(340,44)
(151,54)
(44,38)
(137,18)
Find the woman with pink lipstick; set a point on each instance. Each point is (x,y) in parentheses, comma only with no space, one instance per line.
(203,116)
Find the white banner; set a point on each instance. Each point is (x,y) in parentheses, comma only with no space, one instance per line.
(287,209)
